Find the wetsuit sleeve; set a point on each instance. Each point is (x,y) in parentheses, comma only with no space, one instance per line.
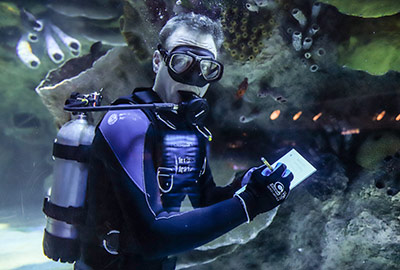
(127,150)
(211,193)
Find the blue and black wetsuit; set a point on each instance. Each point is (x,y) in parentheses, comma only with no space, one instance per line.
(143,165)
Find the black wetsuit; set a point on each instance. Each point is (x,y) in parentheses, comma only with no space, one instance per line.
(142,166)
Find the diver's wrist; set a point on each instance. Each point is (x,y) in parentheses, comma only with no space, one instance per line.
(248,202)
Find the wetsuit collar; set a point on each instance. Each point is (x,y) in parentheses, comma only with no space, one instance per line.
(146,96)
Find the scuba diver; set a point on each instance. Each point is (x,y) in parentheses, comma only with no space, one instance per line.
(144,163)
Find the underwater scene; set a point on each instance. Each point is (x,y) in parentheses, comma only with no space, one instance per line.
(321,77)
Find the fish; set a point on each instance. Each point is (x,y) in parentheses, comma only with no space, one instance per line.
(243,86)
(272,92)
(252,6)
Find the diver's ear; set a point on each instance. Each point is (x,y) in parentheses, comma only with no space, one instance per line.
(157,59)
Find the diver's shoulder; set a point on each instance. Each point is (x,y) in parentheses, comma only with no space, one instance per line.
(125,120)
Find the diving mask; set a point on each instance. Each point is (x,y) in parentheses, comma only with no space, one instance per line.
(192,65)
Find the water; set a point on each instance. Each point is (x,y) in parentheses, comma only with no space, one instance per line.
(336,101)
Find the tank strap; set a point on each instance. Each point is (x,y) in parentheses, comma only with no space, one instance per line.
(70,215)
(79,153)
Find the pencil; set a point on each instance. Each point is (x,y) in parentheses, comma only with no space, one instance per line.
(266,163)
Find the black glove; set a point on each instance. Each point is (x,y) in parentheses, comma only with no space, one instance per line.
(265,189)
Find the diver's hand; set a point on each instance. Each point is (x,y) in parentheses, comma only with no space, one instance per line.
(265,190)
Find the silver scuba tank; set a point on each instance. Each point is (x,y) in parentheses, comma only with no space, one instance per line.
(64,207)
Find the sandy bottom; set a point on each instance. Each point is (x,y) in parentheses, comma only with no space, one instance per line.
(21,235)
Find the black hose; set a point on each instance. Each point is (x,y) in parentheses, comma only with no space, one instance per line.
(154,106)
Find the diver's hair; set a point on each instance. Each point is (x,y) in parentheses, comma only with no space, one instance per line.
(195,22)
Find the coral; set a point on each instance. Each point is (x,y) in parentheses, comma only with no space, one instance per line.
(245,32)
(331,180)
(353,229)
(388,174)
(376,147)
(372,45)
(46,32)
(211,8)
(89,74)
(227,243)
(59,26)
(303,30)
(131,23)
(37,30)
(93,20)
(365,236)
(366,8)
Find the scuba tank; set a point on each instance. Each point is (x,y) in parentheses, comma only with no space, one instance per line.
(64,207)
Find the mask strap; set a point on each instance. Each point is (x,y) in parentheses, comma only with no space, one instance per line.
(164,52)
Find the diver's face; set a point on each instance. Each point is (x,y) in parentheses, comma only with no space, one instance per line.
(167,88)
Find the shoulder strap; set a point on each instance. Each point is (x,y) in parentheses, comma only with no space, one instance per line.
(141,96)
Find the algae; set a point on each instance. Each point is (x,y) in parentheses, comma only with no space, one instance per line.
(366,8)
(373,45)
(9,14)
(376,148)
